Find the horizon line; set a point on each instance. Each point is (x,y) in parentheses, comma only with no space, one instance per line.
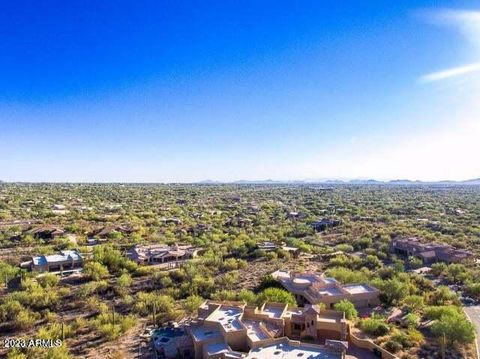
(261,181)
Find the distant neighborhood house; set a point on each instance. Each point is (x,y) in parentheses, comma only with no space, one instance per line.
(46,232)
(297,215)
(270,247)
(429,253)
(107,231)
(315,288)
(161,253)
(95,241)
(171,220)
(66,260)
(324,224)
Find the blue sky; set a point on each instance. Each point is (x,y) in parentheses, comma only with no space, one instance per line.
(161,91)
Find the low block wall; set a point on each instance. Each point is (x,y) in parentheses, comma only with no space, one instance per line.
(371,346)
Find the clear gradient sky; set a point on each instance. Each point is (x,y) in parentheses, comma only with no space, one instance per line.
(167,91)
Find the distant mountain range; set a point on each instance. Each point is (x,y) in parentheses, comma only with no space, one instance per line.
(475,181)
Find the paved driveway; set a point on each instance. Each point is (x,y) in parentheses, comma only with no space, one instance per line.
(473,313)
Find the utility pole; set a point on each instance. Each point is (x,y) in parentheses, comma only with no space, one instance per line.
(154,314)
(444,344)
(113,314)
(63,330)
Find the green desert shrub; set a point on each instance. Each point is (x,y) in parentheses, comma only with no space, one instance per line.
(374,325)
(348,308)
(276,295)
(95,271)
(455,328)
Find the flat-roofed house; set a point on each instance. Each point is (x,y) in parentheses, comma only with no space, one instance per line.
(429,253)
(270,246)
(66,260)
(324,224)
(290,349)
(314,288)
(107,231)
(46,232)
(235,330)
(161,253)
(296,215)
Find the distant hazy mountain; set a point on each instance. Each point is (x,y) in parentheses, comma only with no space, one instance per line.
(472,181)
(369,181)
(256,181)
(268,181)
(333,181)
(475,181)
(208,182)
(402,181)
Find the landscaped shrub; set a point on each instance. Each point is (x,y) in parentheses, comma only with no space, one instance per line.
(276,295)
(436,312)
(95,271)
(374,326)
(348,308)
(455,328)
